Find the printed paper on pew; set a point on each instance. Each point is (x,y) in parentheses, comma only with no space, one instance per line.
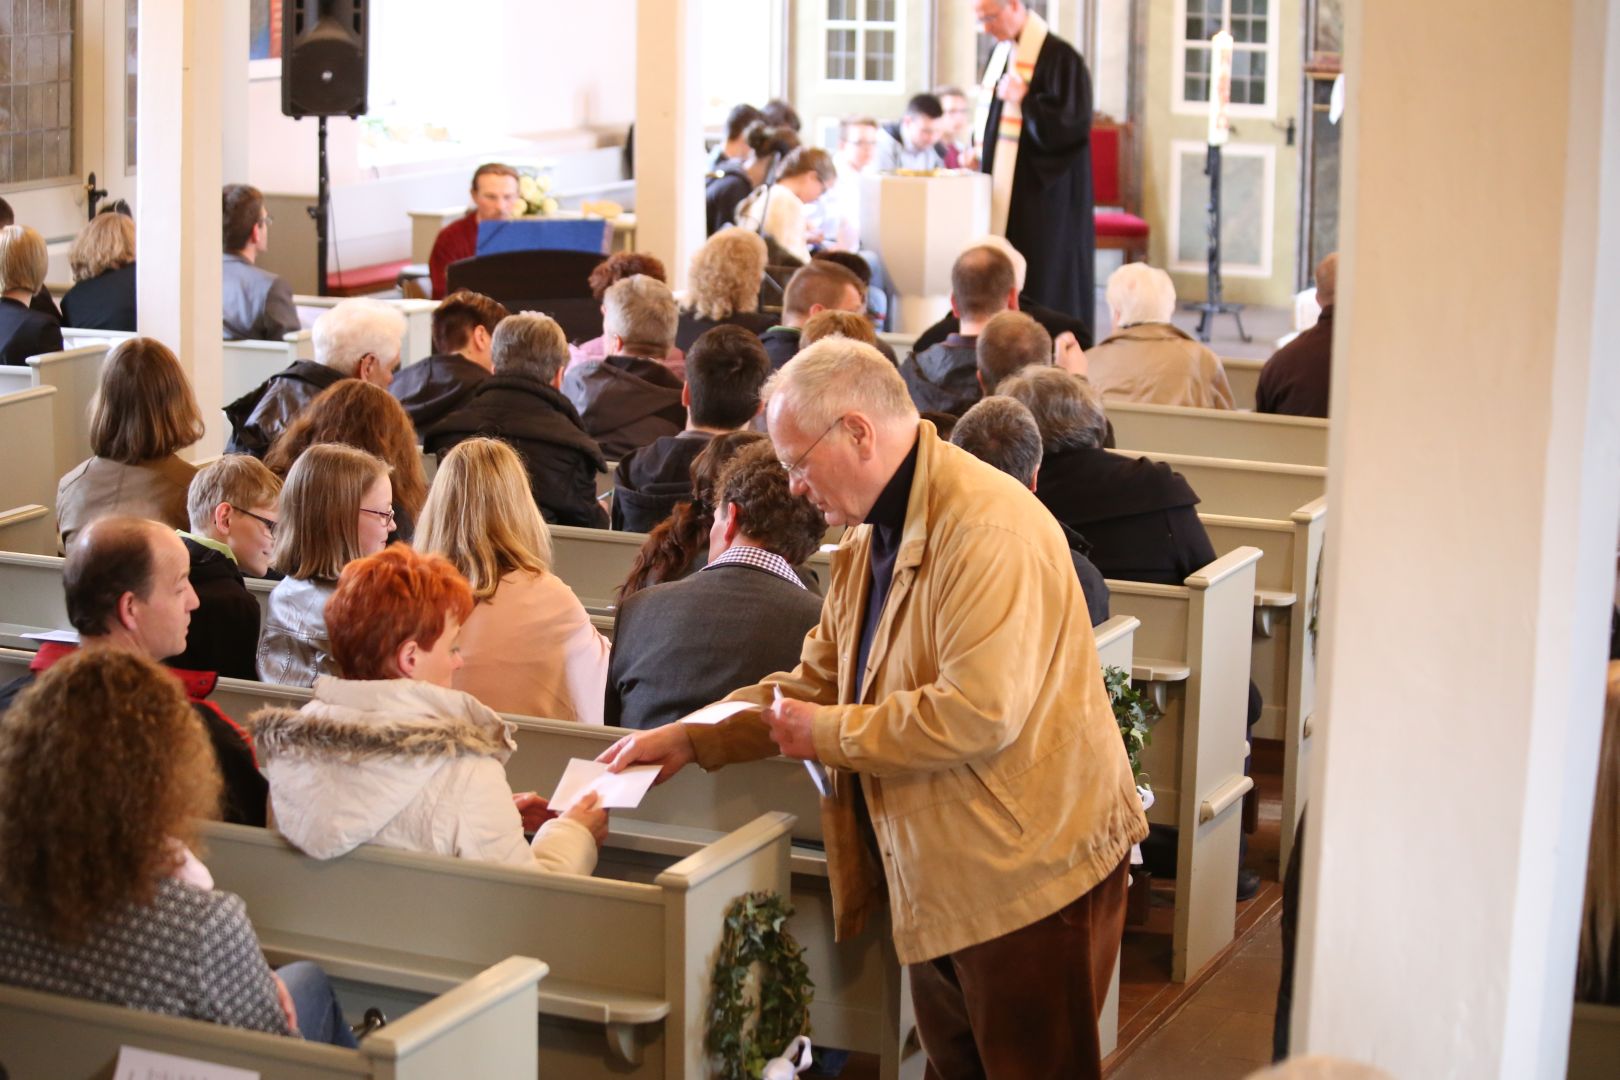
(137,1064)
(616,790)
(720,710)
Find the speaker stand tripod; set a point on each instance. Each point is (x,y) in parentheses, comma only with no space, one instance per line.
(321,212)
(1213,304)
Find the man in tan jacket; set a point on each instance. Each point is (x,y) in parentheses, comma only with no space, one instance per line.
(953,691)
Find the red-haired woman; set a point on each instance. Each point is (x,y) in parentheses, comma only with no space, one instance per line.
(389,754)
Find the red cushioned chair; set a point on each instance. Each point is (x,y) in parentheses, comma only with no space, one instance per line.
(1118,226)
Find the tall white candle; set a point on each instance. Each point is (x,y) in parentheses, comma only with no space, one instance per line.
(1220,86)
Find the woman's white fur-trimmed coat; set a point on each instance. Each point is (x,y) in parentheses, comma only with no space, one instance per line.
(406,765)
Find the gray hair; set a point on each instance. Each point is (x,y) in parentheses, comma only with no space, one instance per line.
(355,329)
(1000,431)
(529,343)
(1066,408)
(1008,343)
(641,311)
(838,375)
(1139,293)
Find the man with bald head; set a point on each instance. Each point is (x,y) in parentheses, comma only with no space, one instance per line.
(943,378)
(1297,378)
(953,693)
(127,583)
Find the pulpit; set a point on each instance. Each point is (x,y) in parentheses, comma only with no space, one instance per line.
(919,225)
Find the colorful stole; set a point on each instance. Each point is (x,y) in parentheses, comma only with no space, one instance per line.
(1012,115)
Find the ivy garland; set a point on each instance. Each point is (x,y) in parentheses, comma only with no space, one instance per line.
(756,933)
(1135,713)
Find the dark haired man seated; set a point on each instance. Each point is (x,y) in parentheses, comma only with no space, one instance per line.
(682,644)
(1002,432)
(820,285)
(725,369)
(944,377)
(127,585)
(463,329)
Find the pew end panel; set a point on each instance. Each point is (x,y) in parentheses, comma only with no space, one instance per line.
(27,445)
(76,374)
(30,530)
(1116,640)
(1310,529)
(479,1023)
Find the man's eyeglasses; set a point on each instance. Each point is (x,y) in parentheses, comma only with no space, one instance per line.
(269,526)
(386,515)
(796,467)
(267,220)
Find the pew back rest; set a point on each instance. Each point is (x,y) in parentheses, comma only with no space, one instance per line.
(249,363)
(27,423)
(1219,433)
(76,374)
(1243,376)
(484,1026)
(1258,489)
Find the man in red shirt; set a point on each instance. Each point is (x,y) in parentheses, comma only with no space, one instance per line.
(495,198)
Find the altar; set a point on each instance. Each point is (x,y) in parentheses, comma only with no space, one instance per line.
(919,225)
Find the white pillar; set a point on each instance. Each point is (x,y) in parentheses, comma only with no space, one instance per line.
(1472,508)
(177,193)
(669,133)
(235,132)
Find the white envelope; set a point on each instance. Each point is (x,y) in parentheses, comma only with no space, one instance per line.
(622,790)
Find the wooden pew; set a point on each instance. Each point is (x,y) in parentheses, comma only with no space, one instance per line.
(1243,376)
(1219,433)
(482,1026)
(31,588)
(1259,489)
(629,961)
(27,436)
(29,529)
(1192,652)
(1283,646)
(249,363)
(74,337)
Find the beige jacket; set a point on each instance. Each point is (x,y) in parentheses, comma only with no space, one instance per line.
(99,487)
(531,649)
(1158,364)
(981,734)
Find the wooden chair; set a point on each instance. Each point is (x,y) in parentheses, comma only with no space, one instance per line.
(482,1026)
(1117,215)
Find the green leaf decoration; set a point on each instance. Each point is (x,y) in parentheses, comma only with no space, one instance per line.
(756,933)
(1136,714)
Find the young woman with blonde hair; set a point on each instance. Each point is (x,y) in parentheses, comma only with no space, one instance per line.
(24,331)
(363,415)
(528,647)
(335,507)
(104,775)
(144,414)
(103,262)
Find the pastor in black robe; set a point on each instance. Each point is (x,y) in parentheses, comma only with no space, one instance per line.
(1049,216)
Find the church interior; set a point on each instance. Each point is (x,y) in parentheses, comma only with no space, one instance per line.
(1345,273)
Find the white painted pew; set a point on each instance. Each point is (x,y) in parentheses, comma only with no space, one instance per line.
(1192,652)
(29,529)
(1259,489)
(1243,376)
(1283,647)
(630,961)
(27,438)
(74,337)
(1594,1042)
(418,343)
(76,374)
(249,363)
(1218,433)
(484,1026)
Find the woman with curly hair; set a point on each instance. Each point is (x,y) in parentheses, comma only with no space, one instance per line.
(390,753)
(608,273)
(680,543)
(528,647)
(723,284)
(362,415)
(144,415)
(100,897)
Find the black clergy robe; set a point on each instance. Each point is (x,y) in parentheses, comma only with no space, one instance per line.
(1049,216)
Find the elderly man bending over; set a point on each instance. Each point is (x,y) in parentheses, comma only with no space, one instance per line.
(953,689)
(357,339)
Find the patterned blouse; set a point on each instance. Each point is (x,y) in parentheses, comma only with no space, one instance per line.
(192,953)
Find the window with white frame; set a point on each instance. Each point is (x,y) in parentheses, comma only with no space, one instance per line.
(1253,25)
(863,41)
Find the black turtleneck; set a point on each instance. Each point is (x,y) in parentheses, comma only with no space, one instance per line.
(888,519)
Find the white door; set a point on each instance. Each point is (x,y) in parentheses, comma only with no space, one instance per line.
(67,108)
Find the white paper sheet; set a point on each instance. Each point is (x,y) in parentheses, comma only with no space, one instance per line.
(137,1064)
(818,772)
(622,790)
(720,710)
(64,637)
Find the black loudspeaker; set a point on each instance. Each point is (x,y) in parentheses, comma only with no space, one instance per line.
(323,57)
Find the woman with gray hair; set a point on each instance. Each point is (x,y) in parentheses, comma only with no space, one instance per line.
(1139,516)
(1146,358)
